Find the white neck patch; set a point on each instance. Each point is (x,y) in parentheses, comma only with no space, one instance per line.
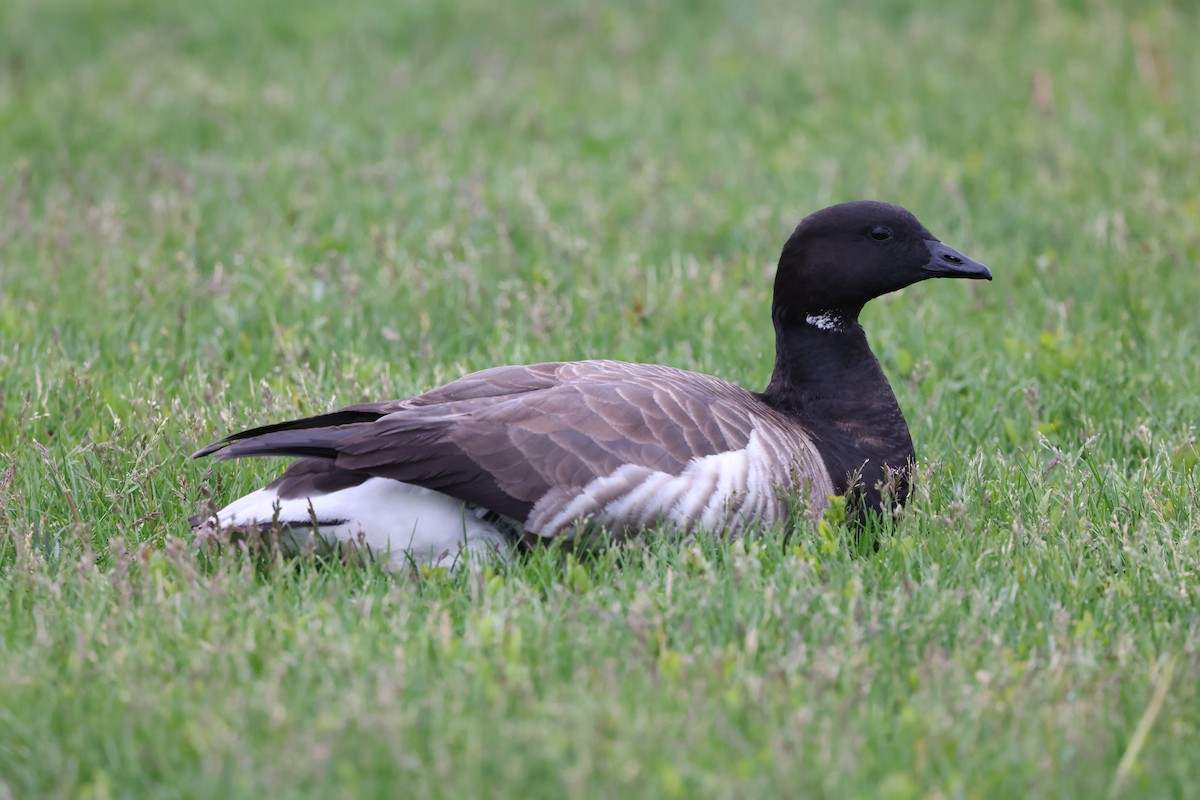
(826,321)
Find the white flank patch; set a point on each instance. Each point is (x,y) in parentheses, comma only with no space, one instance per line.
(723,492)
(399,522)
(826,321)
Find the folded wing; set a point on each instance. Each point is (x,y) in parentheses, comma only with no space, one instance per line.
(527,442)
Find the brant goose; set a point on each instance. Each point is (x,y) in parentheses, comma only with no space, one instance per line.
(521,453)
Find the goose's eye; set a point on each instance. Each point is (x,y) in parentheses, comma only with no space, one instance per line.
(881,233)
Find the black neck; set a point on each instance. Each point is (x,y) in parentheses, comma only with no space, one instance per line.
(826,376)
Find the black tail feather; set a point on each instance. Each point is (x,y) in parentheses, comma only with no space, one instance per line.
(318,443)
(334,419)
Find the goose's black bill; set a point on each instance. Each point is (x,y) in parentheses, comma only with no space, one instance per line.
(946,262)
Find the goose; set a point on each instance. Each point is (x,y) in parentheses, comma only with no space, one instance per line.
(515,455)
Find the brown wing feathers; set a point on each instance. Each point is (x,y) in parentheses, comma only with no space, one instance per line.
(505,437)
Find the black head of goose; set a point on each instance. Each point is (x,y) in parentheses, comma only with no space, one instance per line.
(528,452)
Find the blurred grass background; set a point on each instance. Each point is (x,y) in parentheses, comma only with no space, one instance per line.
(215,216)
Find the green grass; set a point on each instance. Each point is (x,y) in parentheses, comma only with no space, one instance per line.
(217,215)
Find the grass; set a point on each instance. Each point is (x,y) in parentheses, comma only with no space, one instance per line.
(220,215)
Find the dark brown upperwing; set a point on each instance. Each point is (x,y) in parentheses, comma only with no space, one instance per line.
(495,384)
(502,438)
